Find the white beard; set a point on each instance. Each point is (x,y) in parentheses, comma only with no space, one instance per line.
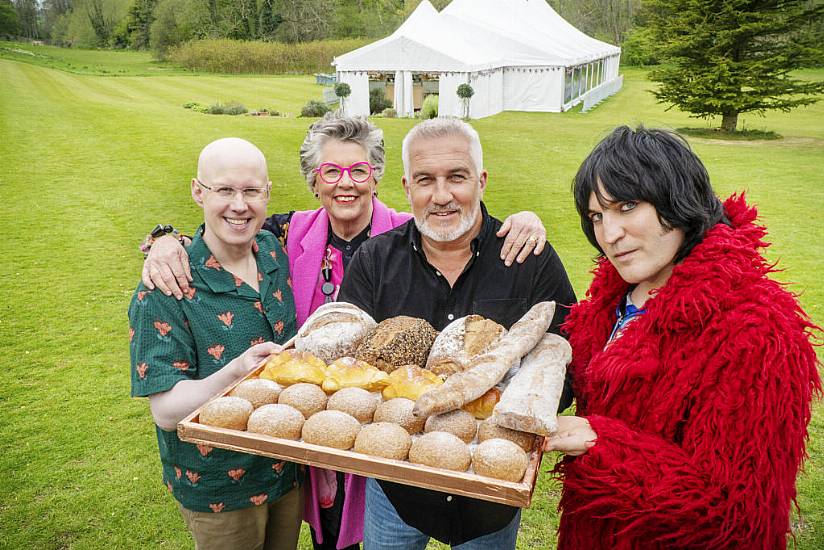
(464,225)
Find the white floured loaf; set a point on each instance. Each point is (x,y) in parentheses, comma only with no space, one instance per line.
(334,330)
(460,341)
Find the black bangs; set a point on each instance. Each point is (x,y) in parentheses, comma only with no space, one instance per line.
(654,166)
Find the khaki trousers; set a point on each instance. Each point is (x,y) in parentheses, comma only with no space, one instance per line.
(275,526)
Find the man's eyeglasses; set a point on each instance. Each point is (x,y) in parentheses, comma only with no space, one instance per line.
(226,193)
(332,173)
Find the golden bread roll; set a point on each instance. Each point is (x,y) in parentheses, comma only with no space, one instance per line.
(307,398)
(334,330)
(384,439)
(459,423)
(226,412)
(291,367)
(440,450)
(258,391)
(331,429)
(482,407)
(410,381)
(490,430)
(501,459)
(397,341)
(277,421)
(354,401)
(399,411)
(348,372)
(460,341)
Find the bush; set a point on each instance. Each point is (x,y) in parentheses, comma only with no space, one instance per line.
(429,109)
(639,48)
(314,108)
(236,57)
(196,107)
(377,101)
(232,108)
(389,112)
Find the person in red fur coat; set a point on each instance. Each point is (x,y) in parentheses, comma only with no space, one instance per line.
(694,371)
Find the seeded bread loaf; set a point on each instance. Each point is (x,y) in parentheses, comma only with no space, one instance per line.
(397,341)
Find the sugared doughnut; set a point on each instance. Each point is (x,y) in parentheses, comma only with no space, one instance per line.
(440,450)
(258,391)
(399,411)
(276,420)
(459,423)
(490,430)
(354,401)
(501,459)
(226,412)
(384,439)
(305,397)
(332,429)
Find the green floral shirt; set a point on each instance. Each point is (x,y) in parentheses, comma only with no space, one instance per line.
(218,319)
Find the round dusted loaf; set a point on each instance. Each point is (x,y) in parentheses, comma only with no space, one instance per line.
(334,330)
(501,459)
(399,411)
(331,429)
(397,341)
(440,450)
(384,439)
(305,397)
(490,430)
(226,412)
(258,391)
(354,401)
(277,421)
(460,341)
(459,423)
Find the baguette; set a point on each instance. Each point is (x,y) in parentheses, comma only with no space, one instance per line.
(488,369)
(530,402)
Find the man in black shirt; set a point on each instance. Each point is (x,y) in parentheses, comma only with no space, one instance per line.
(440,266)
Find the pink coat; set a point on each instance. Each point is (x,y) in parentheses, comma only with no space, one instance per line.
(305,245)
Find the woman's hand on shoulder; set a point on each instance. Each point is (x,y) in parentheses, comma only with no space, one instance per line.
(167,267)
(524,233)
(574,436)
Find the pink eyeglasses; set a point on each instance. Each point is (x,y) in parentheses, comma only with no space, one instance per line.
(332,173)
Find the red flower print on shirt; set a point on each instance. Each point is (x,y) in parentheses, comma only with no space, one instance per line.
(163,328)
(236,473)
(141,370)
(217,508)
(190,293)
(278,466)
(204,450)
(274,255)
(259,307)
(279,327)
(178,472)
(194,477)
(181,365)
(257,500)
(226,317)
(216,351)
(213,263)
(256,341)
(238,280)
(142,294)
(131,334)
(278,295)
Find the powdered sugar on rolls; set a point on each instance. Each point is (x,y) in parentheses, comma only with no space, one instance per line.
(530,402)
(334,330)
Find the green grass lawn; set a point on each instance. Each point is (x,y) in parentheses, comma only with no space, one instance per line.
(89,163)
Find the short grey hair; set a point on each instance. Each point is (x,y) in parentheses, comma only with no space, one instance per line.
(444,127)
(342,128)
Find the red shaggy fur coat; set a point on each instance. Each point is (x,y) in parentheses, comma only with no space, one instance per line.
(701,406)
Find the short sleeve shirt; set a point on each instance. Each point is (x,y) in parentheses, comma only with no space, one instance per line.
(217,320)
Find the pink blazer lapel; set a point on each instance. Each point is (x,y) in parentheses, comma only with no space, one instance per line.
(306,242)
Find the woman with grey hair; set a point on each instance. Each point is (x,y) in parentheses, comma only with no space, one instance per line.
(342,160)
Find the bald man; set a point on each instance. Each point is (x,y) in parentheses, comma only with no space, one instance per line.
(239,308)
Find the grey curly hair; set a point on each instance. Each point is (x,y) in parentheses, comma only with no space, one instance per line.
(342,128)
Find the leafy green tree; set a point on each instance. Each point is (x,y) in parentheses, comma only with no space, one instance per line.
(139,23)
(268,20)
(27,18)
(9,24)
(727,58)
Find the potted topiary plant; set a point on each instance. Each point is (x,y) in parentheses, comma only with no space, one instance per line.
(343,90)
(465,92)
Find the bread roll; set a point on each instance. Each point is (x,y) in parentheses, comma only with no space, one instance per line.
(331,429)
(307,398)
(397,341)
(226,412)
(354,401)
(482,407)
(258,391)
(501,459)
(384,439)
(530,402)
(489,368)
(399,411)
(348,372)
(440,450)
(410,381)
(291,367)
(490,430)
(459,423)
(277,421)
(460,341)
(334,330)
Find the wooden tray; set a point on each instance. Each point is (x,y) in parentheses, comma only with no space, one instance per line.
(461,483)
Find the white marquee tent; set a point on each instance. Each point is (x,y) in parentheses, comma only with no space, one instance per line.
(518,55)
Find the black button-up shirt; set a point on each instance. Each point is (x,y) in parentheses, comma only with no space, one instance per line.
(390,275)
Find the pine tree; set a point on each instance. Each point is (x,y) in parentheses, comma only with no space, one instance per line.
(732,57)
